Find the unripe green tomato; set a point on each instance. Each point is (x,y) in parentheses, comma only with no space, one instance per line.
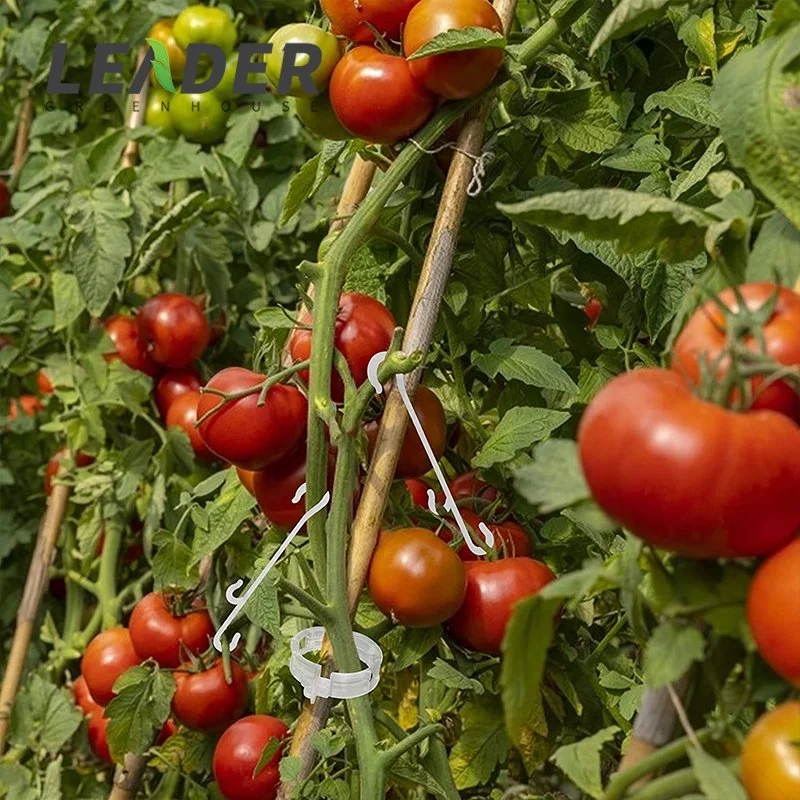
(157,113)
(205,25)
(317,114)
(303,33)
(225,88)
(199,117)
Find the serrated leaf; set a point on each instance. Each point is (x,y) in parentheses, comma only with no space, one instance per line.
(459,39)
(173,566)
(628,16)
(580,762)
(263,608)
(636,222)
(758,99)
(700,169)
(776,253)
(554,480)
(672,649)
(483,744)
(518,430)
(43,716)
(225,514)
(697,33)
(450,677)
(715,779)
(526,364)
(689,99)
(68,303)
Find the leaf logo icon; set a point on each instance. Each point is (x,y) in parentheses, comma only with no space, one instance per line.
(161,65)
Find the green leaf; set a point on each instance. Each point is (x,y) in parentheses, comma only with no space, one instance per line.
(161,65)
(646,155)
(758,96)
(518,430)
(68,303)
(459,39)
(688,99)
(17,781)
(527,640)
(715,779)
(483,743)
(628,16)
(698,35)
(700,169)
(51,789)
(776,253)
(526,364)
(140,708)
(672,649)
(450,677)
(225,514)
(413,644)
(634,221)
(554,480)
(580,762)
(263,607)
(43,716)
(173,567)
(585,120)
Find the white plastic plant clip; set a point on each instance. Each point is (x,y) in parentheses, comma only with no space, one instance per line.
(339,685)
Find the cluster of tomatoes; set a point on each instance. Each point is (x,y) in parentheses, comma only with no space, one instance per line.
(175,633)
(706,480)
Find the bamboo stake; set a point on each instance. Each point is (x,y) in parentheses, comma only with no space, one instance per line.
(127,778)
(136,116)
(23,131)
(28,611)
(419,330)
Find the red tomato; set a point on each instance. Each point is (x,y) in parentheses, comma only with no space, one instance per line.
(98,730)
(170,729)
(238,753)
(770,765)
(415,578)
(108,655)
(470,487)
(158,634)
(183,414)
(510,539)
(43,382)
(453,76)
(174,329)
(493,589)
(54,464)
(376,98)
(593,309)
(247,478)
(124,333)
(773,609)
(246,434)
(419,492)
(173,384)
(703,339)
(29,403)
(203,701)
(364,327)
(413,460)
(689,476)
(83,697)
(5,199)
(357,20)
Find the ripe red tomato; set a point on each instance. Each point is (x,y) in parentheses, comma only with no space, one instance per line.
(98,731)
(183,413)
(376,98)
(5,199)
(770,765)
(43,382)
(174,329)
(470,487)
(124,333)
(773,608)
(357,20)
(237,754)
(686,475)
(593,309)
(246,434)
(203,701)
(83,697)
(493,589)
(703,339)
(415,578)
(364,327)
(453,76)
(30,405)
(159,634)
(108,655)
(413,460)
(173,384)
(246,478)
(419,492)
(510,539)
(54,464)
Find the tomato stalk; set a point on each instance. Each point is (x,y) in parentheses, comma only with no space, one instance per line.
(107,577)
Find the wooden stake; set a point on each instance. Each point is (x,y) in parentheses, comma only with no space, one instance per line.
(29,607)
(419,330)
(23,131)
(127,778)
(136,115)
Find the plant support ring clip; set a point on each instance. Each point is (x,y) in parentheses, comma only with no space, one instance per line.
(340,685)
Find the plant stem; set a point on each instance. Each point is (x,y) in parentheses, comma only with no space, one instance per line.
(107,578)
(319,610)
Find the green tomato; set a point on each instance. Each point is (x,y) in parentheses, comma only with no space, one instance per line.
(157,112)
(225,87)
(205,25)
(303,33)
(317,114)
(199,117)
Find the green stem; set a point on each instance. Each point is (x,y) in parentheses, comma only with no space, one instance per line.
(561,20)
(597,653)
(107,579)
(412,740)
(319,610)
(676,784)
(84,583)
(622,781)
(397,239)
